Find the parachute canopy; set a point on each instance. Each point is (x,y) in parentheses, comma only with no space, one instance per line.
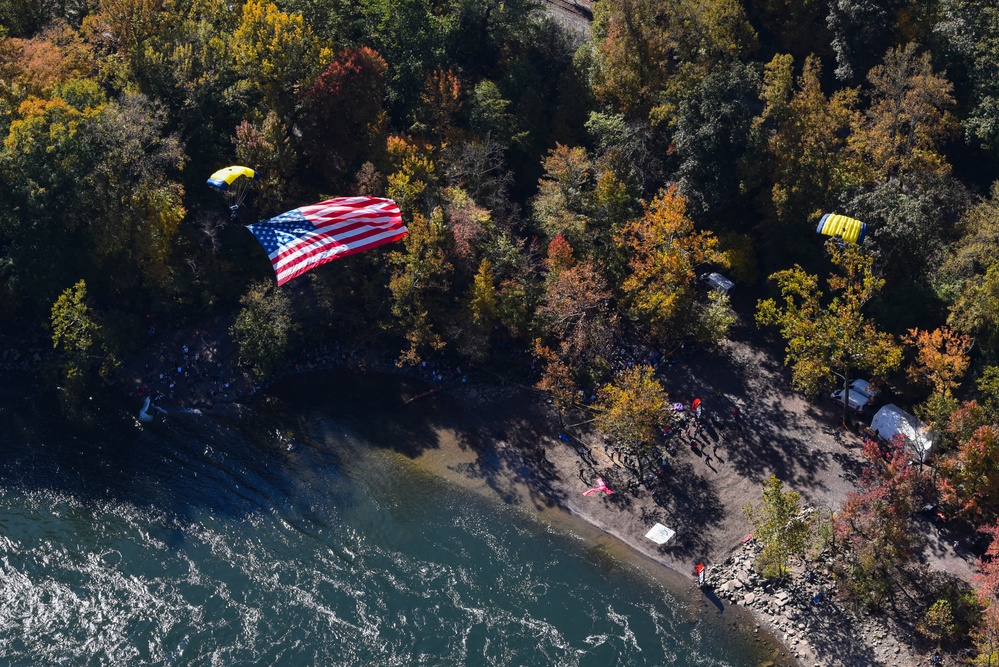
(234,182)
(300,240)
(848,229)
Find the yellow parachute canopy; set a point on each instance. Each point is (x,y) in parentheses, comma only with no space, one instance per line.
(848,229)
(233,182)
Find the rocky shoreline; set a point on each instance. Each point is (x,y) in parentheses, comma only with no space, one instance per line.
(803,613)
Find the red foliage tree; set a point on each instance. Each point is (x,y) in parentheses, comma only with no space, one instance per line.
(875,525)
(559,255)
(345,108)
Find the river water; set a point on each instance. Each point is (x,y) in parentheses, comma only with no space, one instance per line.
(291,534)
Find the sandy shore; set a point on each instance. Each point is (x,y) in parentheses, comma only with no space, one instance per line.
(508,472)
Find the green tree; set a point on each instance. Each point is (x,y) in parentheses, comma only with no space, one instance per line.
(420,283)
(828,339)
(79,337)
(263,329)
(969,276)
(780,527)
(911,224)
(491,116)
(968,32)
(564,201)
(712,133)
(714,320)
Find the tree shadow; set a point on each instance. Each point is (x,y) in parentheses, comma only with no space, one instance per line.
(693,508)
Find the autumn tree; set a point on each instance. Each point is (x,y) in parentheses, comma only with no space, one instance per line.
(469,226)
(804,136)
(941,361)
(345,111)
(476,332)
(779,525)
(986,635)
(650,52)
(421,280)
(79,197)
(632,408)
(263,329)
(908,119)
(266,147)
(441,105)
(968,472)
(275,53)
(833,338)
(664,250)
(575,311)
(875,527)
(411,171)
(556,377)
(969,476)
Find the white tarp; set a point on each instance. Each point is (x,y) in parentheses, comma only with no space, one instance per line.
(892,420)
(660,534)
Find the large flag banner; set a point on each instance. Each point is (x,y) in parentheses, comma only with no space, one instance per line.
(300,240)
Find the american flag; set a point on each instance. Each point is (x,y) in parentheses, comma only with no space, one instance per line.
(300,240)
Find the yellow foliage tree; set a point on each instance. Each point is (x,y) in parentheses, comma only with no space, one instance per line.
(664,249)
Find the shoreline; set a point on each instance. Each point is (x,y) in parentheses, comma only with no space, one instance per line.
(700,494)
(450,461)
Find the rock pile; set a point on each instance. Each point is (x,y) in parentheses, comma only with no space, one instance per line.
(801,610)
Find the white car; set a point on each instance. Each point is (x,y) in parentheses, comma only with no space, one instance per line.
(717,281)
(861,395)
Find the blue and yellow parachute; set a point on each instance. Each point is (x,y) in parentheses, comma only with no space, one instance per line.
(848,229)
(233,182)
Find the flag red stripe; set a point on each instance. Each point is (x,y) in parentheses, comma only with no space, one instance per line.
(306,266)
(318,240)
(331,230)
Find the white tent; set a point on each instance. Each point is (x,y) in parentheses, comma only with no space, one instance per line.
(892,420)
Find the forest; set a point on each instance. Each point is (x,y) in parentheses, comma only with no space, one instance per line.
(563,193)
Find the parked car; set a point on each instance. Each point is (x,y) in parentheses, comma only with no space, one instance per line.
(717,281)
(861,396)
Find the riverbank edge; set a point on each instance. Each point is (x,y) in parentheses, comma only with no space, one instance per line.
(219,383)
